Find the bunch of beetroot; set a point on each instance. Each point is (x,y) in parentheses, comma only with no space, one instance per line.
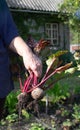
(34,88)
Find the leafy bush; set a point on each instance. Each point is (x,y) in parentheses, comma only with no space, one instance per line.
(11,102)
(68,57)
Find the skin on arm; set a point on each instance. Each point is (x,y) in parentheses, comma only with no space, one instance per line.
(30,60)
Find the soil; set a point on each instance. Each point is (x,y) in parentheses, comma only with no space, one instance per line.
(50,118)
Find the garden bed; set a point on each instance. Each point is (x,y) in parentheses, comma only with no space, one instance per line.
(64,114)
(60,116)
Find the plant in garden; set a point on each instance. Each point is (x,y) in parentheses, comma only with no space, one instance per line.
(11,102)
(67,124)
(76,113)
(64,112)
(25,114)
(57,93)
(12,118)
(36,126)
(77,58)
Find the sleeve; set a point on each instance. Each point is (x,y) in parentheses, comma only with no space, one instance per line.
(9,29)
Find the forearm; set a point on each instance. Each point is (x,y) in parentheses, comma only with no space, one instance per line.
(19,46)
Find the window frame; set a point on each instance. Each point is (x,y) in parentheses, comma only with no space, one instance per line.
(51,30)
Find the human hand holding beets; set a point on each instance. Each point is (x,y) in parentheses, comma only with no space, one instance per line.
(33,64)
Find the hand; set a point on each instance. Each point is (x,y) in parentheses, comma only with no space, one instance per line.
(33,63)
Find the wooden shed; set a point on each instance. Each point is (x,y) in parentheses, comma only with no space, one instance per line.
(40,18)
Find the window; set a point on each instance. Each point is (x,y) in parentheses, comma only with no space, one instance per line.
(52,33)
